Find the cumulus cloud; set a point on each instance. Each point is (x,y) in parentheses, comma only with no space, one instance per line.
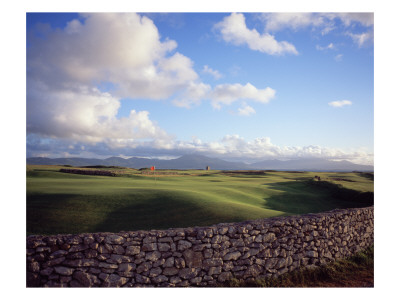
(324,22)
(87,115)
(234,30)
(229,147)
(236,147)
(340,103)
(192,95)
(122,50)
(214,73)
(119,48)
(223,94)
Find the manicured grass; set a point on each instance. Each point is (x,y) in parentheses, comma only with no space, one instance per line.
(71,203)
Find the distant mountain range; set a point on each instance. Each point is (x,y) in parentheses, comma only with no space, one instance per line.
(200,162)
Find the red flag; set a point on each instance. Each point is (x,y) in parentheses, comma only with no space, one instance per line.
(152,168)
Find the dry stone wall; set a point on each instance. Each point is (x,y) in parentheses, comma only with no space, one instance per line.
(199,256)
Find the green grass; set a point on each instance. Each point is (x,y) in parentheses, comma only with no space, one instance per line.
(70,203)
(355,271)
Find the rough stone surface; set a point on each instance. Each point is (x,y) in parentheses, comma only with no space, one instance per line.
(199,256)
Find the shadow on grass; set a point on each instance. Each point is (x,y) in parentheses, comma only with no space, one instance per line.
(310,196)
(368,175)
(158,211)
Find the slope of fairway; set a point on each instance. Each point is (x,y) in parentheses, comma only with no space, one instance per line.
(70,203)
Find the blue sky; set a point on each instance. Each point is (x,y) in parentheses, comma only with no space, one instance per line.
(238,86)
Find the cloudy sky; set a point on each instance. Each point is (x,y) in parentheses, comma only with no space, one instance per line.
(238,86)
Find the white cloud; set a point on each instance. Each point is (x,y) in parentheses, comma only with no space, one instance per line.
(87,115)
(365,19)
(193,95)
(229,147)
(295,21)
(236,147)
(340,103)
(223,94)
(214,73)
(362,39)
(339,57)
(124,49)
(325,22)
(234,30)
(331,46)
(246,110)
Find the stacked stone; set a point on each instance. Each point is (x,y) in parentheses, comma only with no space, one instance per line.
(200,256)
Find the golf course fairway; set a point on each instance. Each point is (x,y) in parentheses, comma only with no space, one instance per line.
(60,202)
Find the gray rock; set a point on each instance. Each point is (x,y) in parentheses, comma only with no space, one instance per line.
(253,271)
(34,267)
(153,256)
(193,259)
(223,230)
(126,267)
(142,279)
(232,255)
(312,254)
(169,262)
(224,276)
(118,249)
(143,267)
(212,262)
(269,237)
(108,266)
(86,279)
(114,239)
(57,254)
(149,239)
(149,247)
(183,245)
(160,279)
(46,272)
(170,271)
(188,273)
(270,263)
(155,272)
(132,250)
(175,280)
(180,262)
(214,270)
(162,247)
(64,270)
(114,280)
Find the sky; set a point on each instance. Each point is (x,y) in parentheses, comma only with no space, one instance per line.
(237,86)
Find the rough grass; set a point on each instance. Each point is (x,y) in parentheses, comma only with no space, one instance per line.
(72,203)
(355,271)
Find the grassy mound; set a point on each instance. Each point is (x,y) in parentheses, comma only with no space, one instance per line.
(75,203)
